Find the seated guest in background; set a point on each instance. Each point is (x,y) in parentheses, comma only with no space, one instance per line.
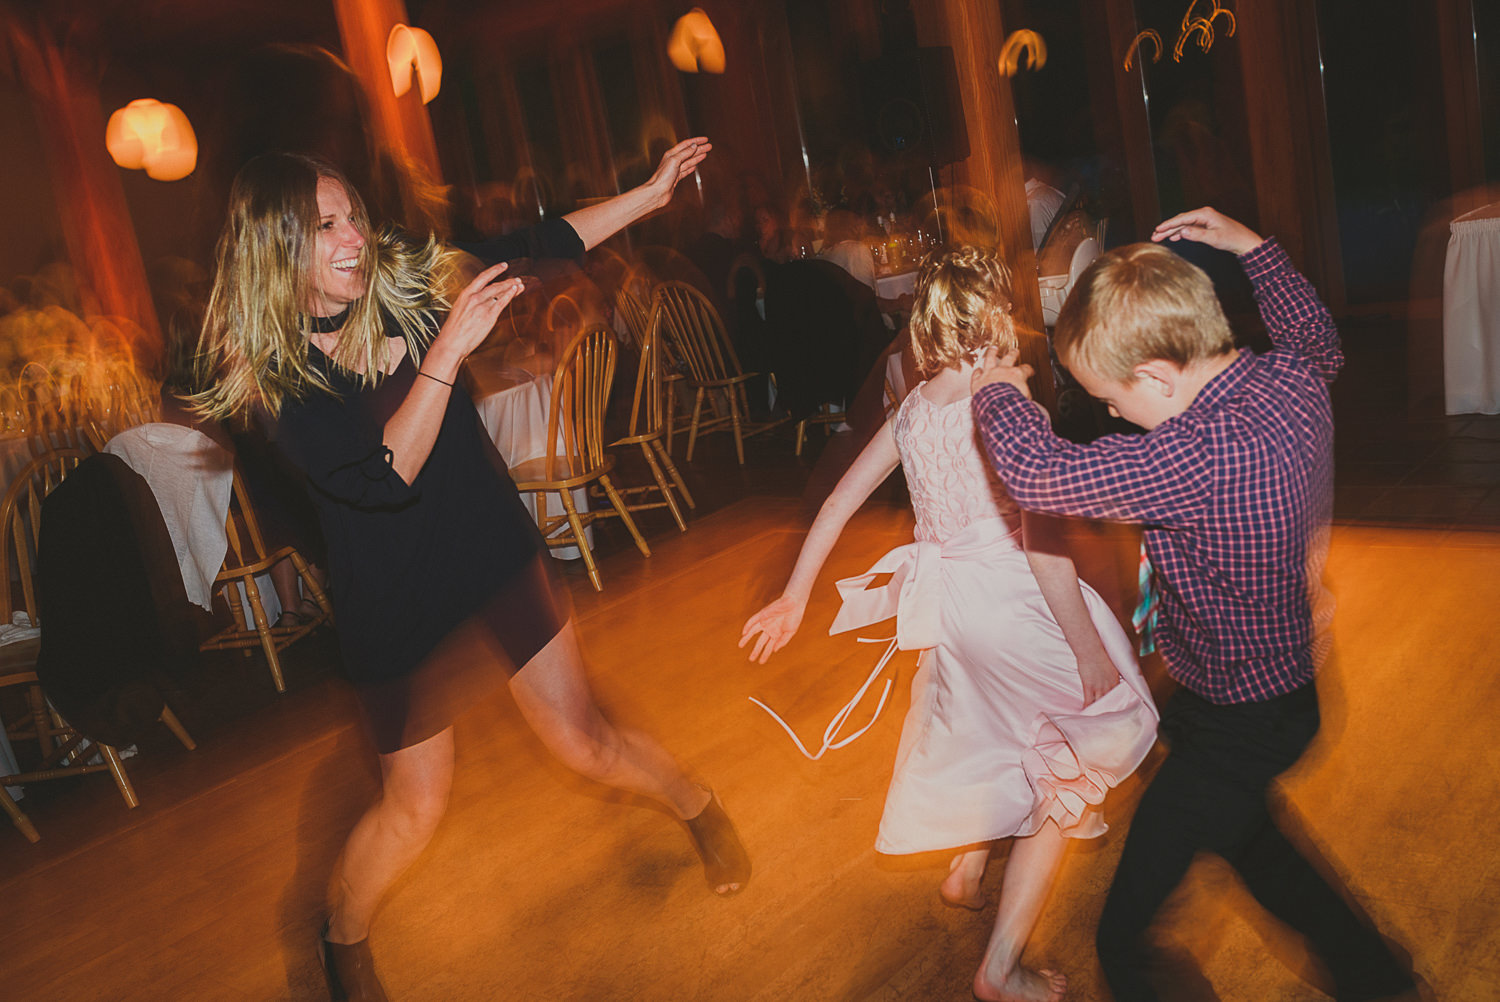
(1042,199)
(771,234)
(845,245)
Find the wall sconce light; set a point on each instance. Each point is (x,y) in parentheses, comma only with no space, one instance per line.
(695,45)
(409,50)
(1021,43)
(147,134)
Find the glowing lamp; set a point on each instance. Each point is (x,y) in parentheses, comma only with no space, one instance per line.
(1024,44)
(695,45)
(151,136)
(412,50)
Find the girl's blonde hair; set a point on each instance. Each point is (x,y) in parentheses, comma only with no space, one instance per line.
(962,306)
(253,349)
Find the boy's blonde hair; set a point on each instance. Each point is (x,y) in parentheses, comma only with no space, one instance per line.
(962,306)
(1138,303)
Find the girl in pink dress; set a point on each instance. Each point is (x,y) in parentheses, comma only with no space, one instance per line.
(1028,704)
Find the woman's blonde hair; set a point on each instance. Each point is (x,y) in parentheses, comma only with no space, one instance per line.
(253,349)
(1138,303)
(962,306)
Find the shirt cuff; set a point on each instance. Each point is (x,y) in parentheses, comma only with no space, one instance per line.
(1263,259)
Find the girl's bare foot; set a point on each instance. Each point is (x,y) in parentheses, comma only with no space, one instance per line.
(1022,985)
(962,888)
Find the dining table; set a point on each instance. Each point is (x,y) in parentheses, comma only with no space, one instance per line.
(1471,313)
(513,400)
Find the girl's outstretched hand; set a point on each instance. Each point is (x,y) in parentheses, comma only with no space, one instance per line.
(777,623)
(1208,226)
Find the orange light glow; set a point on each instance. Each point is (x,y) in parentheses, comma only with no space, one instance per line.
(695,45)
(1021,43)
(1149,34)
(412,50)
(151,136)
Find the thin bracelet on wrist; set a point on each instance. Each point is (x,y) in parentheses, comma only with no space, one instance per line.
(435,379)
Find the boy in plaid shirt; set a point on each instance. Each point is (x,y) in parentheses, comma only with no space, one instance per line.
(1232,484)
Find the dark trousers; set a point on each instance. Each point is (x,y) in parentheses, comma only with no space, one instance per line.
(1210,794)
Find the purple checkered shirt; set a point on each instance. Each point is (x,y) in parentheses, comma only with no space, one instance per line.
(1235,494)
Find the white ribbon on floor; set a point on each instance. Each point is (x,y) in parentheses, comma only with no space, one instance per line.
(830,733)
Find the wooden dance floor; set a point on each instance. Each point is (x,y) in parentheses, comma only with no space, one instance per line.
(542,887)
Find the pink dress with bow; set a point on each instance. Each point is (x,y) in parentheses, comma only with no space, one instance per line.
(997,739)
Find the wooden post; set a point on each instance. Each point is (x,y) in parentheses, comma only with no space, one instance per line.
(401,124)
(1133,117)
(972,28)
(91,206)
(1465,127)
(1288,129)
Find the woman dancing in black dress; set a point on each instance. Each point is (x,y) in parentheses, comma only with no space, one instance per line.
(439,577)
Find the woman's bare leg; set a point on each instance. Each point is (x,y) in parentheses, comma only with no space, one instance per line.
(1029,872)
(962,888)
(554,696)
(414,795)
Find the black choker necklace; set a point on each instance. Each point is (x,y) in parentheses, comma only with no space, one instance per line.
(327,325)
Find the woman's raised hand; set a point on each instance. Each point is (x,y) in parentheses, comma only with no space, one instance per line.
(676,164)
(777,623)
(471,319)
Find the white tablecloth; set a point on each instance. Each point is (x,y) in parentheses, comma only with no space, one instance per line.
(192,477)
(895,286)
(516,419)
(1471,315)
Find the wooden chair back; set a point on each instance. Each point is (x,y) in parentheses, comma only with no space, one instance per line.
(20,523)
(246,545)
(648,407)
(580,397)
(633,312)
(696,332)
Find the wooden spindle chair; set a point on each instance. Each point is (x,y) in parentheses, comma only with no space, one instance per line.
(58,743)
(246,558)
(696,334)
(576,454)
(647,428)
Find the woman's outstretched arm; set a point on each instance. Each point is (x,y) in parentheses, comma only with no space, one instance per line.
(597,223)
(1058,578)
(777,623)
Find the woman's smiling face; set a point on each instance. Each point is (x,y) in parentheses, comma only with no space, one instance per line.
(338,279)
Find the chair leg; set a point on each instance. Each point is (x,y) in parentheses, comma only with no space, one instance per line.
(117,770)
(175,726)
(665,456)
(263,627)
(312,586)
(41,720)
(801,434)
(693,428)
(583,543)
(18,817)
(614,499)
(664,487)
(734,422)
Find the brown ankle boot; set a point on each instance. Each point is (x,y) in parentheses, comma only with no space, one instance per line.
(350,971)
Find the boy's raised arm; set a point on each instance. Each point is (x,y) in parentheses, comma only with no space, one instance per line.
(1154,479)
(1295,317)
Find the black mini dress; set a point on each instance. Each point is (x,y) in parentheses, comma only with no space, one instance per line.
(441,588)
